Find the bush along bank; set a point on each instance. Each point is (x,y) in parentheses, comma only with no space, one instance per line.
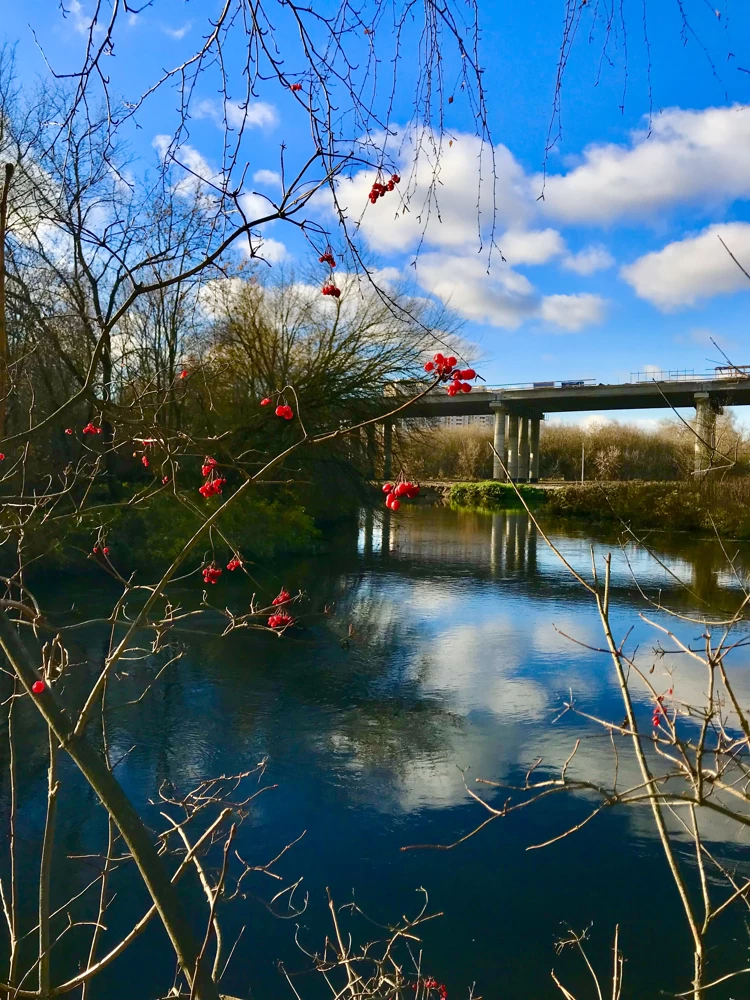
(494,495)
(702,508)
(147,536)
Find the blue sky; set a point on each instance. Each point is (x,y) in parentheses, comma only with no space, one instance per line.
(618,269)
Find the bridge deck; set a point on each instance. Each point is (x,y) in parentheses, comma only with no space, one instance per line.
(568,399)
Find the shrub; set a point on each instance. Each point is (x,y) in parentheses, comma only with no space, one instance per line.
(663,506)
(150,535)
(492,494)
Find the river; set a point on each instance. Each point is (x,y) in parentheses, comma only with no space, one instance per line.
(451,642)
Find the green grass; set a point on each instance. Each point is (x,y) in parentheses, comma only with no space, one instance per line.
(494,495)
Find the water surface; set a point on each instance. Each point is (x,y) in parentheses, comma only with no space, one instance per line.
(452,643)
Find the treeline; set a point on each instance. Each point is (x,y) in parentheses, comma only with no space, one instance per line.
(127,316)
(608,451)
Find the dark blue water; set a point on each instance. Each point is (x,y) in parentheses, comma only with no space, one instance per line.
(443,659)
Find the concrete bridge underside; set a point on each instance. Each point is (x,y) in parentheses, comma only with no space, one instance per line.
(518,413)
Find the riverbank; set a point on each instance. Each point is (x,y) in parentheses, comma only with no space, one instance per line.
(707,508)
(146,534)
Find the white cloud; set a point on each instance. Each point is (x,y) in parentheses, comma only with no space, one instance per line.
(589,260)
(573,312)
(257,114)
(502,296)
(693,268)
(272,251)
(690,156)
(177,33)
(82,22)
(445,204)
(593,420)
(535,246)
(198,167)
(268,177)
(255,206)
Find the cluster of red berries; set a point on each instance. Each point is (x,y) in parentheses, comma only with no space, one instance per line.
(379,190)
(446,370)
(295,86)
(90,429)
(211,573)
(282,410)
(328,258)
(213,483)
(280,620)
(330,289)
(430,983)
(233,564)
(104,550)
(659,709)
(402,489)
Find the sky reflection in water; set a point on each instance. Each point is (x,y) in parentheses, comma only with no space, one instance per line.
(455,663)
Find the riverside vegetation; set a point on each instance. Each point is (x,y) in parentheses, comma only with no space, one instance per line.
(640,478)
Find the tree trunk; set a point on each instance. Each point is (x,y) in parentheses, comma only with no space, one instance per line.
(4,381)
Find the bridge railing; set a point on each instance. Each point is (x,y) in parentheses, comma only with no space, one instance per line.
(690,375)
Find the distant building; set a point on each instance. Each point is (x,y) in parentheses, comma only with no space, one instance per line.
(480,420)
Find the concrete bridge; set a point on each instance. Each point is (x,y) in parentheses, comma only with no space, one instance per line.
(519,409)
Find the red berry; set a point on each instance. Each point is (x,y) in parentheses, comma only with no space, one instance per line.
(395,504)
(280,620)
(429,366)
(95,549)
(211,574)
(439,359)
(387,487)
(280,410)
(234,563)
(266,401)
(105,550)
(144,461)
(450,361)
(465,387)
(165,480)
(183,373)
(68,430)
(468,373)
(288,413)
(37,687)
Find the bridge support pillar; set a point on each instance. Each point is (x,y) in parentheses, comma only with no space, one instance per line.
(523,451)
(499,445)
(705,429)
(534,449)
(387,449)
(512,464)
